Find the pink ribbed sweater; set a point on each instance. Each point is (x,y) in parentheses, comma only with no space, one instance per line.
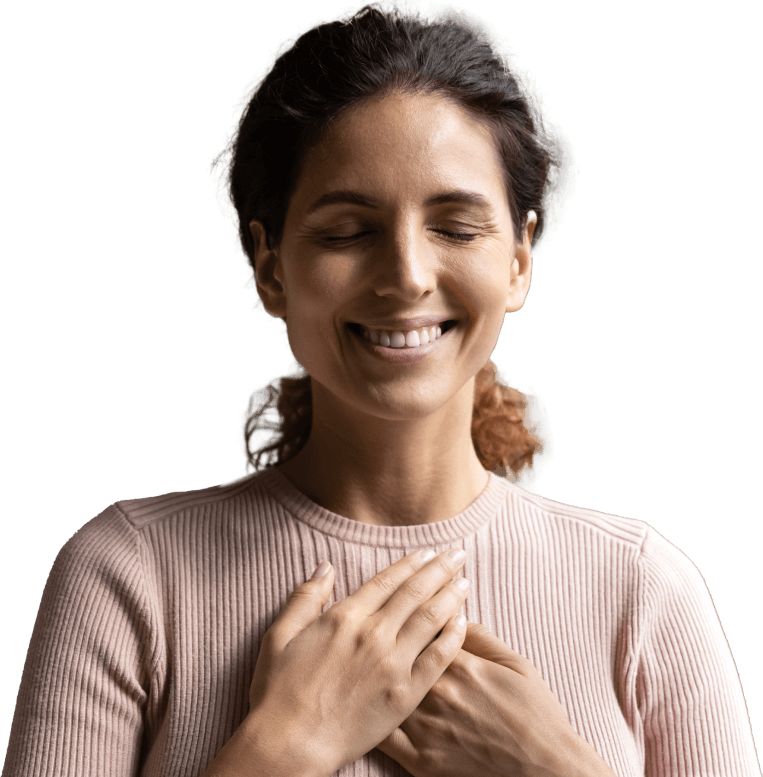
(147,635)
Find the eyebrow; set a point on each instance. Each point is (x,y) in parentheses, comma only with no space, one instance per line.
(349,197)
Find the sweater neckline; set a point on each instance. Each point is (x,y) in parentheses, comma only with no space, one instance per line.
(448,530)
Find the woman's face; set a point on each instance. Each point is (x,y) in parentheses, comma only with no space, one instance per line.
(398,228)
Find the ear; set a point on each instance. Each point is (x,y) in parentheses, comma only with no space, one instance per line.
(268,273)
(522,266)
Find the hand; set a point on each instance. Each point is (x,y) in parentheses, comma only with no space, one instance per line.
(491,714)
(339,682)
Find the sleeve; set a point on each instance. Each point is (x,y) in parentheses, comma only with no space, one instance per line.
(690,700)
(84,687)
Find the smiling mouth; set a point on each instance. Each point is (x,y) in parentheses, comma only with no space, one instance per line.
(444,327)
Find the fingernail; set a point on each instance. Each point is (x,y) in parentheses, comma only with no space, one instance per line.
(323,567)
(457,554)
(426,555)
(461,620)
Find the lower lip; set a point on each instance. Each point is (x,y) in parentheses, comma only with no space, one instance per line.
(399,355)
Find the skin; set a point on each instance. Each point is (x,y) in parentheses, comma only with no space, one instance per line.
(379,429)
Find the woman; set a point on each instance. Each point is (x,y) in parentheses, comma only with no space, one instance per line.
(390,181)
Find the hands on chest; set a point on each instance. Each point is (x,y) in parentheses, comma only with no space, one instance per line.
(391,666)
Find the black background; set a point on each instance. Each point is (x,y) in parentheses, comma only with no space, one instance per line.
(150,347)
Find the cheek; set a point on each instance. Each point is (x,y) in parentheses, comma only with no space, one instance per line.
(483,285)
(335,286)
(490,301)
(322,282)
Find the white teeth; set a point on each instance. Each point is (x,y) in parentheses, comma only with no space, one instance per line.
(411,339)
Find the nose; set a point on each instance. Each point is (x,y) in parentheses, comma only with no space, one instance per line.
(405,266)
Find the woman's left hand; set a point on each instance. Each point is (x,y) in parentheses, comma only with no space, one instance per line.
(491,714)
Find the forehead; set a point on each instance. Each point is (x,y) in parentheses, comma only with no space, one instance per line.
(403,146)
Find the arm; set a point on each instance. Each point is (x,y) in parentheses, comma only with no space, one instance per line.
(80,704)
(688,692)
(587,762)
(264,745)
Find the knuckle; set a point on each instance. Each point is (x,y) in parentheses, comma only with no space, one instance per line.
(431,613)
(415,589)
(372,637)
(334,617)
(385,583)
(339,620)
(300,592)
(438,651)
(388,668)
(443,651)
(396,694)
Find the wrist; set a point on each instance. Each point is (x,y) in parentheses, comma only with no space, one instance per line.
(282,746)
(582,760)
(264,745)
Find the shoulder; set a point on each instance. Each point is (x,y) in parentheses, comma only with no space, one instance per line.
(145,511)
(545,513)
(114,545)
(662,567)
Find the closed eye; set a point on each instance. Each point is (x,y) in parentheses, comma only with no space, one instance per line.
(464,237)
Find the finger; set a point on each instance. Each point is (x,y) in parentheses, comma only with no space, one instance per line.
(419,589)
(375,593)
(398,747)
(431,619)
(433,661)
(303,607)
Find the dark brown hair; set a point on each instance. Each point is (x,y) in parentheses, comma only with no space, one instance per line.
(331,68)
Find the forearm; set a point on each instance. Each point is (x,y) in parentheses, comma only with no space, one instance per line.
(582,760)
(262,748)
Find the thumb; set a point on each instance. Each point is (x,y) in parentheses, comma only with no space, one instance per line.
(302,608)
(304,605)
(480,641)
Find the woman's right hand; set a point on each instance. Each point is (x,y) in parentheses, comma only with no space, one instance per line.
(340,682)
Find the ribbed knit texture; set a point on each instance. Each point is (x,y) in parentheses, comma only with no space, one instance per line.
(147,636)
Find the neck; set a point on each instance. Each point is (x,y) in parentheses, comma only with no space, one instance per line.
(389,473)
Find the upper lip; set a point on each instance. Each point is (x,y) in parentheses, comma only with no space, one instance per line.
(403,324)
